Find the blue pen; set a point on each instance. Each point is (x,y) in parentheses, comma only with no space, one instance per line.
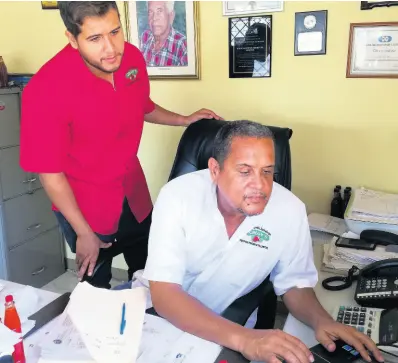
(123,321)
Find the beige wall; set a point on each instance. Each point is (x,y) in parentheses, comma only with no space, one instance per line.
(345,130)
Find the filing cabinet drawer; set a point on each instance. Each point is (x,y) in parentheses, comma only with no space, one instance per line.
(14,181)
(26,216)
(38,261)
(9,120)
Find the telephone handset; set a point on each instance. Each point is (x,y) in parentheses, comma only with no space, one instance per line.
(377,285)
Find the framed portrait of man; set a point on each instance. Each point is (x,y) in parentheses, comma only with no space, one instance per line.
(166,32)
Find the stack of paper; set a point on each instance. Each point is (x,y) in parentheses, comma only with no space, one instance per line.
(340,258)
(373,206)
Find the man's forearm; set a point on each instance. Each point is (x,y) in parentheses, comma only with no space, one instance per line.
(162,116)
(60,193)
(304,306)
(189,315)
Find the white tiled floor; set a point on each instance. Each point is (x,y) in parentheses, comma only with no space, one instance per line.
(67,282)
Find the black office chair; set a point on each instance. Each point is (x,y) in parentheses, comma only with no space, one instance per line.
(193,153)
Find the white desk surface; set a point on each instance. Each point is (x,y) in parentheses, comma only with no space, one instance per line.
(328,299)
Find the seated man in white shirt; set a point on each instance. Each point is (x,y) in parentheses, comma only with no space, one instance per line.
(218,233)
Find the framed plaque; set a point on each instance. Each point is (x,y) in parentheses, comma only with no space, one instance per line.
(369,5)
(310,32)
(250,46)
(373,50)
(234,8)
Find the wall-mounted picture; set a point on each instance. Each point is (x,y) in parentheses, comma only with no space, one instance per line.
(373,50)
(166,32)
(369,5)
(250,46)
(49,5)
(310,32)
(232,8)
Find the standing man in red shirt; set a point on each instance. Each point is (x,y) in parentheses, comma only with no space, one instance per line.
(82,119)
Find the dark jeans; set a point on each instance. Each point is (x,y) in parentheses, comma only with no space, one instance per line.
(131,241)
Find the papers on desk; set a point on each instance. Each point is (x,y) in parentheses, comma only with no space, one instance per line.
(89,329)
(88,332)
(325,223)
(164,343)
(373,206)
(340,259)
(8,339)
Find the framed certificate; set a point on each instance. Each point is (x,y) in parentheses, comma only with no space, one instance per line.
(310,32)
(373,50)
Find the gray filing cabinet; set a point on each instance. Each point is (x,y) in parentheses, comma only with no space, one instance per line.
(31,245)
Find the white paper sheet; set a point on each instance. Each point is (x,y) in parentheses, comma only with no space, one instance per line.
(96,314)
(164,343)
(8,339)
(327,223)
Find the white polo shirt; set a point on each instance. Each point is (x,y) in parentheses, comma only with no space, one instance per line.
(189,245)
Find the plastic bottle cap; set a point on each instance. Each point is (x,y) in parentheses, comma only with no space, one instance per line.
(9,298)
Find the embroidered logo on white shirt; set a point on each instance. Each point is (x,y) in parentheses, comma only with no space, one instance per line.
(258,236)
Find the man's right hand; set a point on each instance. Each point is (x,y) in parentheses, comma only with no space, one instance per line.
(271,346)
(87,251)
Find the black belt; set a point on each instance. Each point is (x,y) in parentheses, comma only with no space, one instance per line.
(346,281)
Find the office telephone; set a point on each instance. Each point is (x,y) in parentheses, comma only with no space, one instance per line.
(377,296)
(377,285)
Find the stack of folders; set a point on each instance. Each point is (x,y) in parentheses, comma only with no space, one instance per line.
(340,259)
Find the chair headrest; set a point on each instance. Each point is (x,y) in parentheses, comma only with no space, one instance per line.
(196,147)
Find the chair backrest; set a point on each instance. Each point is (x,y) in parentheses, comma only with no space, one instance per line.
(196,146)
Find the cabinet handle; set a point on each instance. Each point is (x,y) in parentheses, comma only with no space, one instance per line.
(39,271)
(34,226)
(31,180)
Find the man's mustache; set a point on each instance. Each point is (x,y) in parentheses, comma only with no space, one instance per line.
(255,195)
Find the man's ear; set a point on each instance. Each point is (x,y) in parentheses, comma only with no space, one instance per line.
(214,168)
(71,39)
(172,16)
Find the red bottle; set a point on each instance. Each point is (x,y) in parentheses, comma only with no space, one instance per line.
(12,322)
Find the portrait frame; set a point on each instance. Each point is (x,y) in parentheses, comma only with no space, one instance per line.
(192,70)
(369,50)
(257,7)
(49,5)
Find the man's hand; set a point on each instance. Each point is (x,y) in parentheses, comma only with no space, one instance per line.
(202,113)
(269,345)
(87,251)
(328,331)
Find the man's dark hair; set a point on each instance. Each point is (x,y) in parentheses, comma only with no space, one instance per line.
(73,13)
(242,128)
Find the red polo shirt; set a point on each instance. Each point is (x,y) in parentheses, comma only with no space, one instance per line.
(76,123)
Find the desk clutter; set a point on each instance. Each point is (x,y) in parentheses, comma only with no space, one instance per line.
(102,326)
